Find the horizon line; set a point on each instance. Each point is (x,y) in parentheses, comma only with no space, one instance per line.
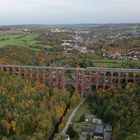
(52,24)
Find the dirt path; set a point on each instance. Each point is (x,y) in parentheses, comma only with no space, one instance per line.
(72,116)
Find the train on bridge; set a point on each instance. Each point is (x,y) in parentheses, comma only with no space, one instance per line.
(82,80)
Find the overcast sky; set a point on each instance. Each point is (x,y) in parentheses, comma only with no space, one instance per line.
(69,11)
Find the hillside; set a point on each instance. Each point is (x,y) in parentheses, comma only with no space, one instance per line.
(19,55)
(24,56)
(27,109)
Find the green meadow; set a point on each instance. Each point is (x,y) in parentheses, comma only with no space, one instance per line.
(27,41)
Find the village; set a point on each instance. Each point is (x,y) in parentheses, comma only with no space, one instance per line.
(132,55)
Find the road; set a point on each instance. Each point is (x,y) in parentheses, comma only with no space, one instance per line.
(72,116)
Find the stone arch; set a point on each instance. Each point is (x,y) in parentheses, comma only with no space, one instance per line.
(100,87)
(115,81)
(94,77)
(101,80)
(80,88)
(34,73)
(137,77)
(115,74)
(27,72)
(106,87)
(70,75)
(101,73)
(123,74)
(93,80)
(93,87)
(80,75)
(22,75)
(123,87)
(130,81)
(93,73)
(123,81)
(16,69)
(46,75)
(131,75)
(70,88)
(107,81)
(19,70)
(108,74)
(5,69)
(40,77)
(22,70)
(11,69)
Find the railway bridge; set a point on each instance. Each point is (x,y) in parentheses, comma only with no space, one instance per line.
(82,80)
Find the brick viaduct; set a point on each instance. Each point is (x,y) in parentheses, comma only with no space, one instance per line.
(80,79)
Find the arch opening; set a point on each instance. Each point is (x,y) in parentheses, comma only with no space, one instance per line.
(22,75)
(100,87)
(16,69)
(115,74)
(138,77)
(130,80)
(123,81)
(115,81)
(108,81)
(101,80)
(11,70)
(93,80)
(107,87)
(130,75)
(123,87)
(5,69)
(69,75)
(101,73)
(70,88)
(108,74)
(93,88)
(123,74)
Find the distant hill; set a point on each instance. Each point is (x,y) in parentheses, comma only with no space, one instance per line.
(20,55)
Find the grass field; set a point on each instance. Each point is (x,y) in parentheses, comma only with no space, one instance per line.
(19,40)
(81,112)
(27,41)
(109,63)
(136,42)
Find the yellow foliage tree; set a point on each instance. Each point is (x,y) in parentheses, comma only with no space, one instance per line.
(13,124)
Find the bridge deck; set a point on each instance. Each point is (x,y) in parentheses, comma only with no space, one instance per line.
(81,69)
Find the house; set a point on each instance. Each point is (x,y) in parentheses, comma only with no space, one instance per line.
(108,132)
(86,131)
(97,121)
(88,118)
(108,128)
(99,132)
(114,55)
(67,137)
(65,44)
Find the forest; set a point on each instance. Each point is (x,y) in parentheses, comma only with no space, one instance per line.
(121,108)
(28,111)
